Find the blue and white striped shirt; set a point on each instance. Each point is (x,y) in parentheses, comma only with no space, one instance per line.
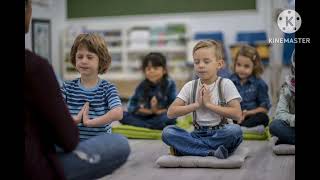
(102,98)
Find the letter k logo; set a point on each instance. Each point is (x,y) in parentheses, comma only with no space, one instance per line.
(289,21)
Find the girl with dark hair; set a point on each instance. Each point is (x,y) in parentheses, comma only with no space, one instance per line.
(148,106)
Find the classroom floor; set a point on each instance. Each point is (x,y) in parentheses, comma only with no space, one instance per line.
(262,164)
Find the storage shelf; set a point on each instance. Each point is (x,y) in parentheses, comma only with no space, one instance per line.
(127,53)
(158,49)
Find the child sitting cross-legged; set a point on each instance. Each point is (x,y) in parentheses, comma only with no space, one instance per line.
(213,135)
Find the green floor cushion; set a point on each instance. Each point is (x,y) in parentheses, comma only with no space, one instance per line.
(282,149)
(185,123)
(236,160)
(253,130)
(255,134)
(134,132)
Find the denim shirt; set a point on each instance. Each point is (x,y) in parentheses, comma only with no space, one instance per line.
(164,98)
(254,92)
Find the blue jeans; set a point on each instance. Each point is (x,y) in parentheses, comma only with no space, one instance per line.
(202,142)
(283,131)
(152,122)
(95,157)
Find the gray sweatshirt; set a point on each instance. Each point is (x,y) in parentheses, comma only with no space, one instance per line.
(286,106)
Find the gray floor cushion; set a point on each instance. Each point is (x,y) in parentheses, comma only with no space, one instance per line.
(234,161)
(282,149)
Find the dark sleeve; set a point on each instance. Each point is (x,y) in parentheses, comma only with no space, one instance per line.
(172,92)
(263,97)
(48,100)
(133,104)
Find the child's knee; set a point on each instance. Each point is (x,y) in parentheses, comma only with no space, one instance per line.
(271,126)
(275,126)
(122,141)
(122,149)
(234,130)
(233,134)
(119,142)
(168,132)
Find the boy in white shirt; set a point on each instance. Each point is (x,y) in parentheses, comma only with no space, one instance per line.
(213,134)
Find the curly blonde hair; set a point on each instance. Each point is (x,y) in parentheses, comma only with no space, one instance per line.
(208,44)
(251,53)
(95,44)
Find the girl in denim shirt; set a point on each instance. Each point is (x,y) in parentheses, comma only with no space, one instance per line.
(148,106)
(284,124)
(255,103)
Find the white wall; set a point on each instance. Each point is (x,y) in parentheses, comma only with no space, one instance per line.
(229,22)
(56,13)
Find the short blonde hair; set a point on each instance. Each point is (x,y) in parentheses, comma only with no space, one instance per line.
(208,44)
(95,44)
(251,53)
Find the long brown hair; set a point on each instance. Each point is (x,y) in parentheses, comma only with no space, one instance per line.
(251,53)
